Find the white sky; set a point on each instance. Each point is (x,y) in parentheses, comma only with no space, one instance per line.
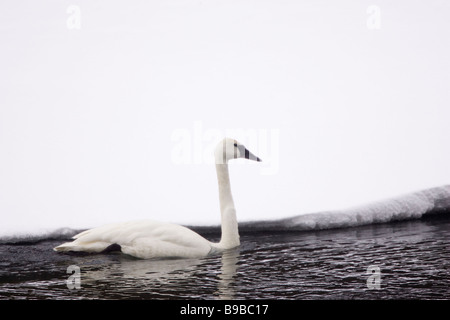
(89,117)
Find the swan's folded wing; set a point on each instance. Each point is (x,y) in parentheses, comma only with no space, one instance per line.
(142,239)
(163,240)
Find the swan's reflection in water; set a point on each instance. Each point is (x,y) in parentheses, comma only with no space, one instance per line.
(125,277)
(227,277)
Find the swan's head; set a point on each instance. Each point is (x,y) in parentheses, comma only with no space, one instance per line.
(229,149)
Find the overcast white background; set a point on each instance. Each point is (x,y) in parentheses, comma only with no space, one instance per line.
(88,114)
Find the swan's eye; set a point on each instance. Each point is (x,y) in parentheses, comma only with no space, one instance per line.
(235,144)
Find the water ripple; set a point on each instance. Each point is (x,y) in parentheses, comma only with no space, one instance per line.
(413,258)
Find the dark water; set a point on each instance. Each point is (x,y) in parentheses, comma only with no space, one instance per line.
(413,258)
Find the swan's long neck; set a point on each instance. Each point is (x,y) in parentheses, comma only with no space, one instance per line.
(230,233)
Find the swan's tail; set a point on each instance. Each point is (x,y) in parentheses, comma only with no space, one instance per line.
(84,242)
(96,246)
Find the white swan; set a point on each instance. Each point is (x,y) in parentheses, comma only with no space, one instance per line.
(152,239)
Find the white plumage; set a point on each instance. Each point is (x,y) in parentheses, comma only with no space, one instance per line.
(153,239)
(142,239)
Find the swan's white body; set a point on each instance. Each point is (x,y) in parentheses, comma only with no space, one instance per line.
(143,239)
(153,239)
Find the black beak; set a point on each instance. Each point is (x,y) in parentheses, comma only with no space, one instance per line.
(250,156)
